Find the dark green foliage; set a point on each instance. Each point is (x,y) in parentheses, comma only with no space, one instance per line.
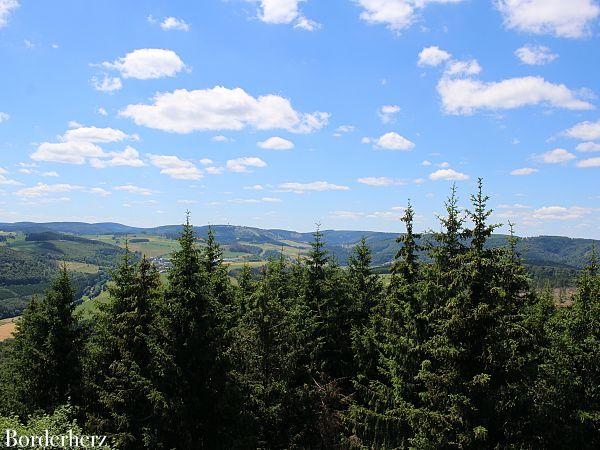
(456,351)
(42,368)
(120,370)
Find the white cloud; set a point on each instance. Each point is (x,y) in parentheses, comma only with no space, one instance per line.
(221,138)
(285,12)
(271,200)
(426,163)
(467,68)
(214,170)
(6,8)
(346,215)
(433,56)
(107,84)
(147,63)
(7,181)
(80,144)
(51,174)
(466,96)
(128,157)
(175,167)
(276,143)
(206,161)
(220,108)
(586,131)
(42,189)
(395,14)
(300,188)
(535,55)
(67,152)
(560,213)
(393,141)
(563,18)
(102,111)
(133,189)
(556,156)
(524,171)
(448,175)
(241,165)
(173,23)
(387,112)
(380,181)
(342,129)
(3,116)
(99,191)
(96,135)
(256,187)
(588,147)
(590,162)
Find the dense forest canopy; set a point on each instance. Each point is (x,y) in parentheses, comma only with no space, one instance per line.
(457,350)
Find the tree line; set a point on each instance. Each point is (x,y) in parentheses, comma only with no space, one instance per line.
(456,352)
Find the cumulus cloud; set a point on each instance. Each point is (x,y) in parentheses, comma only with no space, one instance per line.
(6,9)
(556,156)
(241,165)
(590,162)
(586,131)
(173,23)
(300,188)
(67,152)
(96,135)
(175,167)
(524,171)
(560,18)
(465,68)
(107,84)
(220,108)
(276,143)
(129,157)
(393,141)
(78,145)
(285,12)
(133,189)
(3,117)
(535,55)
(467,95)
(448,175)
(433,56)
(588,147)
(395,14)
(380,181)
(561,213)
(147,63)
(387,112)
(42,189)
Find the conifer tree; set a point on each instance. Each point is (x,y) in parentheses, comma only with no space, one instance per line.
(475,375)
(194,359)
(386,395)
(43,366)
(568,390)
(122,354)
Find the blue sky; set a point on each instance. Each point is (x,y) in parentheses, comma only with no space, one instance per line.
(284,113)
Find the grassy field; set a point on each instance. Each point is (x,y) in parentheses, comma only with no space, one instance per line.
(155,247)
(7,327)
(80,267)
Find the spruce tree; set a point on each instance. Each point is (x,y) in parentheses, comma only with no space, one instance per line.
(193,361)
(125,397)
(478,359)
(43,363)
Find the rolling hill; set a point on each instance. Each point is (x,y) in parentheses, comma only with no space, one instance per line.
(30,253)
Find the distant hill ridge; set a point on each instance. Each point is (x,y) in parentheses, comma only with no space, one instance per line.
(552,251)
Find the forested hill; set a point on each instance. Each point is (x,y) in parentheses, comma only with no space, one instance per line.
(550,251)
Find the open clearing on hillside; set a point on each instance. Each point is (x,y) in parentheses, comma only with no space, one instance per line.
(7,328)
